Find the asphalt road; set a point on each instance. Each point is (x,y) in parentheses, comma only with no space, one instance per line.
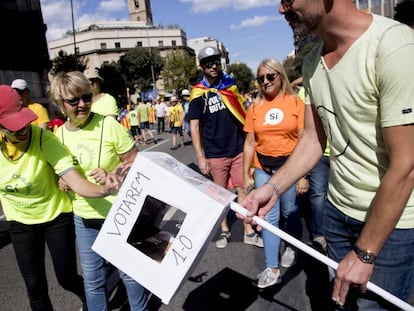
(222,280)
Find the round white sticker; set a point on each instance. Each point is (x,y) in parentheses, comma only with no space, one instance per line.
(273,116)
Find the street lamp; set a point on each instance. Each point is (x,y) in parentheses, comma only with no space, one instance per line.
(74,36)
(152,66)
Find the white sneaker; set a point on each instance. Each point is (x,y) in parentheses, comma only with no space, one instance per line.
(288,257)
(255,240)
(223,239)
(268,278)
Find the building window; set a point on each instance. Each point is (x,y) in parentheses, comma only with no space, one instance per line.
(103,46)
(139,43)
(136,2)
(174,43)
(117,45)
(160,43)
(106,62)
(77,50)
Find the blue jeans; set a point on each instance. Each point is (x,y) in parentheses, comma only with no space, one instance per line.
(94,269)
(318,188)
(290,212)
(187,127)
(394,265)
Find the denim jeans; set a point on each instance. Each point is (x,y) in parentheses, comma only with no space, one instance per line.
(29,247)
(318,188)
(94,269)
(394,265)
(287,204)
(187,128)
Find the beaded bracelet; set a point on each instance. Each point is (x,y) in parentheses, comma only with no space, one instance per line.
(275,188)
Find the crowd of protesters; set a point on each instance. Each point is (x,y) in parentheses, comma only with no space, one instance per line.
(338,148)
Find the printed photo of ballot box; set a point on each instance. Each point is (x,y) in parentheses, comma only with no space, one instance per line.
(156,228)
(161,222)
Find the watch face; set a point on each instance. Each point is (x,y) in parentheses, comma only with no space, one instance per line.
(367,257)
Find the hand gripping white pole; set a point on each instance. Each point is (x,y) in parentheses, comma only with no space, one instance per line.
(322,258)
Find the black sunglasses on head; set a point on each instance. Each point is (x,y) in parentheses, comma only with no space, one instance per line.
(269,76)
(211,63)
(87,98)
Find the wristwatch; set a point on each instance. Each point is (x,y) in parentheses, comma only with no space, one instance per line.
(365,256)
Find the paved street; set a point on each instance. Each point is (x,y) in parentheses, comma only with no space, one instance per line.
(222,280)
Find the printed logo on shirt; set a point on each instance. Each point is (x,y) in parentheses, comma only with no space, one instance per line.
(273,116)
(215,104)
(20,184)
(86,155)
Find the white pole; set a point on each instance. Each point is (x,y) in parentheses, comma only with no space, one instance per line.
(322,258)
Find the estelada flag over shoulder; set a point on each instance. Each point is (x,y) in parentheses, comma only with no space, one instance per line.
(228,91)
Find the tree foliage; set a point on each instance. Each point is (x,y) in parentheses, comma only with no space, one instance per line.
(68,62)
(293,65)
(242,75)
(179,70)
(114,83)
(138,66)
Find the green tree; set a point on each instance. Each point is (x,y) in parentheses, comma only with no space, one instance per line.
(179,70)
(293,65)
(68,62)
(242,75)
(138,66)
(114,83)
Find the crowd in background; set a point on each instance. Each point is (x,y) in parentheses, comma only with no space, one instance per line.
(247,143)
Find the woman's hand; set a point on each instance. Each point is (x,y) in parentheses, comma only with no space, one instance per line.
(63,185)
(120,172)
(99,174)
(112,184)
(302,186)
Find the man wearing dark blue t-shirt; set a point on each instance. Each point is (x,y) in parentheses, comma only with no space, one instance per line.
(216,116)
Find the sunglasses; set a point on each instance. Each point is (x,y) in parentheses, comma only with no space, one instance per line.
(211,63)
(87,98)
(269,76)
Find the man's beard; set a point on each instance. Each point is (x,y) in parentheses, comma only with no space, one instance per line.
(301,27)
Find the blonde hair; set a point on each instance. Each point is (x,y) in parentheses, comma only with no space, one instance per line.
(274,65)
(74,82)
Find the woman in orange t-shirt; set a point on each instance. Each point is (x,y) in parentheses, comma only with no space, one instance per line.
(274,123)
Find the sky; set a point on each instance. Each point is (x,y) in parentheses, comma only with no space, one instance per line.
(251,30)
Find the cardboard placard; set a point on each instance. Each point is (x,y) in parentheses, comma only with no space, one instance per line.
(161,222)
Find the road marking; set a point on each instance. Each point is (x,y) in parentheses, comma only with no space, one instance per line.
(158,144)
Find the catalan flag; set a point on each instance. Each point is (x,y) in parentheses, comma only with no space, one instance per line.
(228,92)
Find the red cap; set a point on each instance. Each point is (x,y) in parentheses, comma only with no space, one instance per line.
(13,115)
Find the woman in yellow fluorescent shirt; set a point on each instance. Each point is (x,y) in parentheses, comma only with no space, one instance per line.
(37,211)
(100,144)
